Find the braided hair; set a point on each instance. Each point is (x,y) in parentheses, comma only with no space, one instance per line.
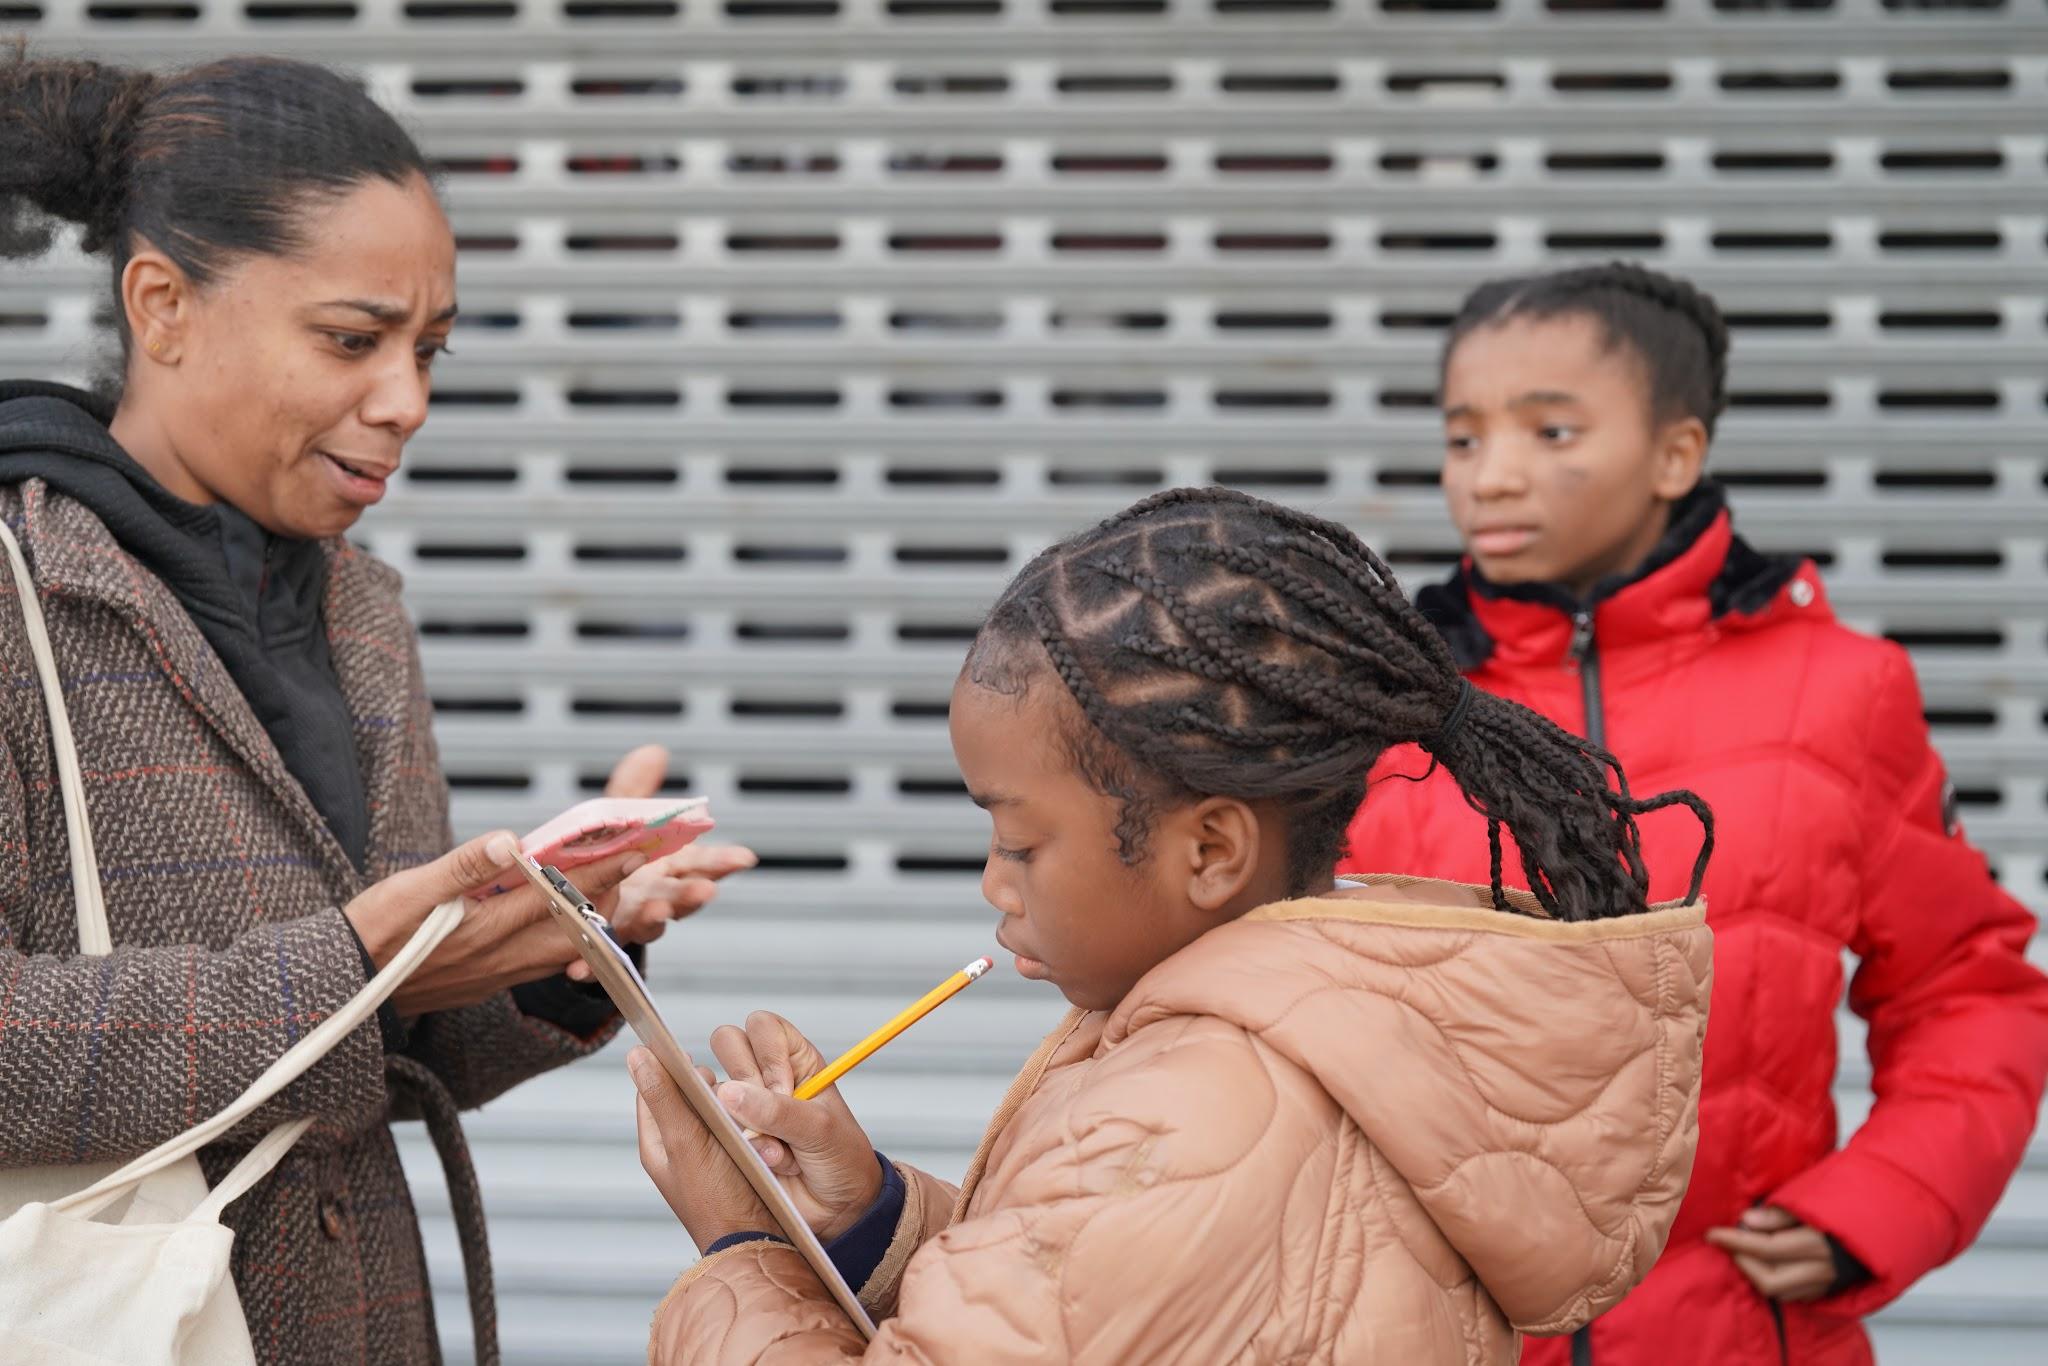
(1675,329)
(1218,645)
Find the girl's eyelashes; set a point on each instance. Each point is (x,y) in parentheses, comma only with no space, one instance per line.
(1010,855)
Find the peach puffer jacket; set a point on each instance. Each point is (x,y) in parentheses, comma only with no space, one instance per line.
(1393,1126)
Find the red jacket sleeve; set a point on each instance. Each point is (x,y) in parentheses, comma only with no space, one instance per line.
(1958,1025)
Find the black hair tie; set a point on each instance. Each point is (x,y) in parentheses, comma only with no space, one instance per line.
(1448,731)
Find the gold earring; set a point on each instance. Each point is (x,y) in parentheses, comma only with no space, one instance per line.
(156,348)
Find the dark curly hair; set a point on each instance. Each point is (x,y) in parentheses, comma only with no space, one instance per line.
(1218,645)
(207,165)
(1675,328)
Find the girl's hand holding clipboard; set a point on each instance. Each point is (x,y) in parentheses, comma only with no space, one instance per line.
(816,1147)
(700,1183)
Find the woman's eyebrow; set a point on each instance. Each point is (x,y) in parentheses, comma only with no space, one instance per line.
(988,801)
(385,312)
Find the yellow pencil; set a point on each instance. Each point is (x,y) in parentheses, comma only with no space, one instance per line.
(819,1082)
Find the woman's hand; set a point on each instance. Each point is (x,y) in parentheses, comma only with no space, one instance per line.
(816,1146)
(500,942)
(1783,1258)
(667,890)
(691,1171)
(670,888)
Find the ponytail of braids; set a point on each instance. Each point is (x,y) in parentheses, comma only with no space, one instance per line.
(1218,645)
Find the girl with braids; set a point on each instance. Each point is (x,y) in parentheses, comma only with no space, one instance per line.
(1605,588)
(1289,1118)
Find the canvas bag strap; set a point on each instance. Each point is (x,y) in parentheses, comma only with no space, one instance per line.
(253,1168)
(294,1063)
(93,936)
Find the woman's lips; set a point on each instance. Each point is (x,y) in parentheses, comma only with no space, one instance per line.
(1502,540)
(358,483)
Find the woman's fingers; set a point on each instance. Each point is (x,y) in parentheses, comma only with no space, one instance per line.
(639,773)
(480,862)
(712,861)
(469,866)
(646,907)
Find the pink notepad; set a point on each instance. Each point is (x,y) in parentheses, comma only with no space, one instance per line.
(597,829)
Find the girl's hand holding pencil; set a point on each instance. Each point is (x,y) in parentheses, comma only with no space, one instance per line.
(815,1146)
(784,1091)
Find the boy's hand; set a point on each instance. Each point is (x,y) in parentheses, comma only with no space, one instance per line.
(1783,1258)
(816,1146)
(690,1170)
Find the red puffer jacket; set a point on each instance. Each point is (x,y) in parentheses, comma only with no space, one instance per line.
(1718,669)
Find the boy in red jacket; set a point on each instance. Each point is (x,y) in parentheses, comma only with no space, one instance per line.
(1605,587)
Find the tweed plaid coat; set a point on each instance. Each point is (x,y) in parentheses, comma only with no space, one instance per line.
(223,890)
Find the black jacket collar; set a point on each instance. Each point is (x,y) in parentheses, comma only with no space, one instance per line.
(1747,581)
(255,597)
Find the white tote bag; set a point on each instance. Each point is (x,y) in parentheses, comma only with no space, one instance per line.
(129,1266)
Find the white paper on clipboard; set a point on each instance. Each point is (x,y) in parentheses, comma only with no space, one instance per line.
(615,972)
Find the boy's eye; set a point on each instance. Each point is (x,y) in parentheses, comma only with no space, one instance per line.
(1461,443)
(1556,433)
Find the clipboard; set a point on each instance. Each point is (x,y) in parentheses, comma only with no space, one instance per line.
(587,929)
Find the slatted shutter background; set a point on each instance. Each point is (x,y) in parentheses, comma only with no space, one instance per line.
(791,327)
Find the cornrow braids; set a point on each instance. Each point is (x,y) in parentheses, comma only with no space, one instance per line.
(1214,644)
(1675,328)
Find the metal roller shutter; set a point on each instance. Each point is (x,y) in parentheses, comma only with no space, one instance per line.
(792,326)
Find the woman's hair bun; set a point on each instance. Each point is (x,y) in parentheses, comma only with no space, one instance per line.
(67,129)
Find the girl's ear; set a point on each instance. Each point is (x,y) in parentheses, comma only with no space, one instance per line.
(1681,457)
(1224,847)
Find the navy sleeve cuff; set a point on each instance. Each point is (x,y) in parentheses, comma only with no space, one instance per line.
(735,1239)
(581,1008)
(395,1032)
(859,1250)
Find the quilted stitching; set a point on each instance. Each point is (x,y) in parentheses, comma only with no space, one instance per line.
(1370,1198)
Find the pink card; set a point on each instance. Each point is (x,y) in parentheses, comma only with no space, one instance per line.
(603,826)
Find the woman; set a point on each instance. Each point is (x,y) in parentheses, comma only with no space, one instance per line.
(245,688)
(1605,587)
